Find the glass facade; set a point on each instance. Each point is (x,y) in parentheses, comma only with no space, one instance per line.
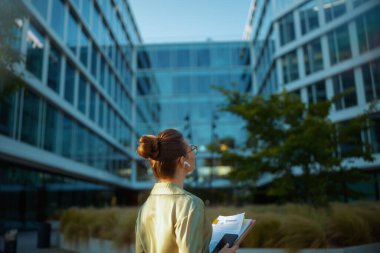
(313,56)
(187,76)
(319,49)
(309,16)
(339,45)
(371,80)
(290,67)
(83,53)
(35,51)
(287,30)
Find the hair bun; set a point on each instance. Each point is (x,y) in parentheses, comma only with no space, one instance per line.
(148,147)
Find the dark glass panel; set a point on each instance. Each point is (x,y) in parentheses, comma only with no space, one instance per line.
(69,82)
(82,95)
(54,71)
(30,118)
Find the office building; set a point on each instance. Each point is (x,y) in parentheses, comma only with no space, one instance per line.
(67,135)
(318,49)
(187,76)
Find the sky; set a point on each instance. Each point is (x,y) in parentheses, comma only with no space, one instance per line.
(162,21)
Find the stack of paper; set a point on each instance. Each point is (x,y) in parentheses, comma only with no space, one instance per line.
(234,224)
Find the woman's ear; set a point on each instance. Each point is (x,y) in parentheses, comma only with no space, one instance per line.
(181,161)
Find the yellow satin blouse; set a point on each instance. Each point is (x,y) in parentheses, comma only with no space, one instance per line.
(172,220)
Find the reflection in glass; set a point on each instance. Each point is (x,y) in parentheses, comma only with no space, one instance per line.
(334,9)
(54,70)
(35,51)
(309,16)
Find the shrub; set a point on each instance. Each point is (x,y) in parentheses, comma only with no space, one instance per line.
(346,228)
(288,226)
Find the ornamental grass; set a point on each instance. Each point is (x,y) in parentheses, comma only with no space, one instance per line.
(287,226)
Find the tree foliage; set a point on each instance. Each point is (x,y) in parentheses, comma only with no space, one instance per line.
(12,19)
(307,157)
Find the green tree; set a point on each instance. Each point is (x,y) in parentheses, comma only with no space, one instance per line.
(307,157)
(12,19)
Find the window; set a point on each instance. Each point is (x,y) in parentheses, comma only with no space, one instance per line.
(183,58)
(160,58)
(316,92)
(41,7)
(93,99)
(368,30)
(72,33)
(344,85)
(203,57)
(35,51)
(101,113)
(52,121)
(7,115)
(313,56)
(287,33)
(334,9)
(82,95)
(181,85)
(94,61)
(375,135)
(67,146)
(357,3)
(69,82)
(309,16)
(84,48)
(222,57)
(371,80)
(57,17)
(339,45)
(54,71)
(30,118)
(290,67)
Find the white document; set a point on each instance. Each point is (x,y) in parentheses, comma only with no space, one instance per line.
(226,225)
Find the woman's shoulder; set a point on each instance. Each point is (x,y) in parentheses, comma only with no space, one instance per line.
(193,201)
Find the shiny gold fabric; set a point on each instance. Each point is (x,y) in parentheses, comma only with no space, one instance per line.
(172,220)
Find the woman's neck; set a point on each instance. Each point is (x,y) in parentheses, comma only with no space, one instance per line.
(178,179)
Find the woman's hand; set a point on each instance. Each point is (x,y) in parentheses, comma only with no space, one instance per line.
(226,249)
